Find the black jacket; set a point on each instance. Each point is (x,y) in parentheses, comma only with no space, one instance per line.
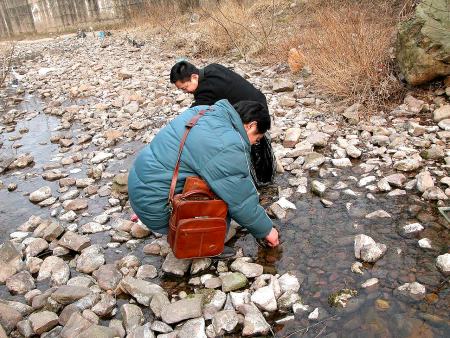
(217,82)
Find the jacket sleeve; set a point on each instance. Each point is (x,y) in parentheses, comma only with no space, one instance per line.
(205,98)
(228,175)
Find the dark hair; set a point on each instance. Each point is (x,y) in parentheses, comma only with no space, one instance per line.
(250,111)
(182,71)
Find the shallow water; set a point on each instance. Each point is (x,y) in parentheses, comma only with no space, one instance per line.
(317,244)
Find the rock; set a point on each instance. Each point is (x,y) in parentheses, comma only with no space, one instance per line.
(76,204)
(98,331)
(176,266)
(314,315)
(313,160)
(248,269)
(412,228)
(190,307)
(282,85)
(81,280)
(445,123)
(233,281)
(396,180)
(407,165)
(90,259)
(225,322)
(48,231)
(36,247)
(142,290)
(139,230)
(93,227)
(424,243)
(434,193)
(146,271)
(24,328)
(443,263)
(287,300)
(414,105)
(101,157)
(9,317)
(367,250)
(435,152)
(341,162)
(105,306)
(292,137)
(288,282)
(132,108)
(75,325)
(40,194)
(318,139)
(264,298)
(43,321)
(254,322)
(158,303)
(125,74)
(20,283)
(67,294)
(351,113)
(413,290)
(132,317)
(382,305)
(161,327)
(200,264)
(352,151)
(370,282)
(318,187)
(442,113)
(296,61)
(214,301)
(22,161)
(276,210)
(419,62)
(424,181)
(378,214)
(107,276)
(72,241)
(54,268)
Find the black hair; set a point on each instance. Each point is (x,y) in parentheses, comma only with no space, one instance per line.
(250,111)
(182,71)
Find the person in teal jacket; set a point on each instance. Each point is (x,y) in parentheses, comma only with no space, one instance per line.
(218,150)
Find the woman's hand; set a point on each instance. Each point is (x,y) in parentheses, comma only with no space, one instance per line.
(272,238)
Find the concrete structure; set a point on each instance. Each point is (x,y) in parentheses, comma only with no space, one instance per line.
(38,16)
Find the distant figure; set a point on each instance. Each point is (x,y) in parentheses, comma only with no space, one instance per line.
(216,82)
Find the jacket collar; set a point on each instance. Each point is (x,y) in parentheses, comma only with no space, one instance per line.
(235,119)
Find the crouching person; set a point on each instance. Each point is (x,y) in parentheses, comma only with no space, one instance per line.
(217,149)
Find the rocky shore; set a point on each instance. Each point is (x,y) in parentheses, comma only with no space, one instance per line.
(73,265)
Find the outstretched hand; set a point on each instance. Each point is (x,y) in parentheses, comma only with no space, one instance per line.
(272,238)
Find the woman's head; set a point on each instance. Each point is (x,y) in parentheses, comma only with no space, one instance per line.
(255,117)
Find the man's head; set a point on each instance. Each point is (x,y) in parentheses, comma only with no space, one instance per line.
(255,117)
(185,76)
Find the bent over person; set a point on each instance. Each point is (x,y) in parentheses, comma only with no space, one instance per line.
(217,150)
(216,82)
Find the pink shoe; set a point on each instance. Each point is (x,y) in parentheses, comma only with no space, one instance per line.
(134,218)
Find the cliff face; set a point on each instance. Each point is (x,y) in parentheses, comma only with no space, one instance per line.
(38,16)
(423,44)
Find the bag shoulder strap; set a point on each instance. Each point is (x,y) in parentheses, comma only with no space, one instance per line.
(188,126)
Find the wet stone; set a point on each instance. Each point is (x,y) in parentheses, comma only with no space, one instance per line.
(443,263)
(254,321)
(40,194)
(265,299)
(248,269)
(415,291)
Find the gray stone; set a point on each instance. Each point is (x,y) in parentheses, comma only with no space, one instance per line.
(289,282)
(132,317)
(146,271)
(248,269)
(434,193)
(72,241)
(215,299)
(176,266)
(292,137)
(20,283)
(54,268)
(48,230)
(161,327)
(40,194)
(409,164)
(313,160)
(318,187)
(108,277)
(90,259)
(158,303)
(443,263)
(43,321)
(254,321)
(141,290)
(194,328)
(97,331)
(282,85)
(24,328)
(396,180)
(67,294)
(76,204)
(75,325)
(287,300)
(190,307)
(225,322)
(233,281)
(105,306)
(101,157)
(9,317)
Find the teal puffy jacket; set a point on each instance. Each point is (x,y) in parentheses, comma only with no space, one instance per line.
(217,149)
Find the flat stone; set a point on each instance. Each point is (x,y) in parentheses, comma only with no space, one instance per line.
(225,322)
(101,157)
(378,214)
(90,259)
(107,276)
(313,160)
(248,269)
(76,204)
(233,281)
(412,228)
(67,294)
(146,271)
(48,231)
(434,193)
(413,290)
(161,327)
(190,307)
(176,266)
(36,247)
(20,283)
(407,165)
(142,291)
(98,331)
(43,321)
(73,241)
(341,162)
(370,282)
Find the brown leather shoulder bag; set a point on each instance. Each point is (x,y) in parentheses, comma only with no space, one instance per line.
(197,225)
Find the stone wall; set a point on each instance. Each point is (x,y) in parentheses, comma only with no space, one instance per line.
(18,17)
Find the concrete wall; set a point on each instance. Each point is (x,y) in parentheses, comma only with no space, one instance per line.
(37,16)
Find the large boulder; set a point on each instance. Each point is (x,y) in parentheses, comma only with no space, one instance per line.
(423,43)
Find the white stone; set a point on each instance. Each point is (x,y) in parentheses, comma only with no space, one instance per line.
(443,263)
(370,282)
(314,315)
(285,204)
(413,227)
(264,298)
(424,243)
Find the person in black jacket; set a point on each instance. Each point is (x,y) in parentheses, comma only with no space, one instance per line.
(216,82)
